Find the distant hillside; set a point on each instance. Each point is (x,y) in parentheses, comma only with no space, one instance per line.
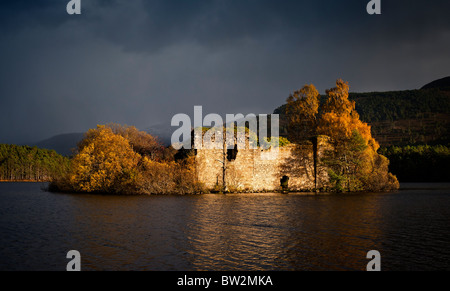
(406,117)
(62,144)
(162,131)
(442,84)
(402,117)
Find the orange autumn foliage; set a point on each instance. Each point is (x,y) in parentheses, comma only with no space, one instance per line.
(339,118)
(302,110)
(115,159)
(352,159)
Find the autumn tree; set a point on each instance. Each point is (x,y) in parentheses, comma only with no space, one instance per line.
(169,177)
(142,142)
(339,117)
(352,159)
(118,159)
(105,163)
(302,111)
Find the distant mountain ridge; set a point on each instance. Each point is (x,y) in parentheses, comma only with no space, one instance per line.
(442,84)
(63,144)
(162,131)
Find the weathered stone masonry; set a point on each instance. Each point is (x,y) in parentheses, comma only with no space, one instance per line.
(257,170)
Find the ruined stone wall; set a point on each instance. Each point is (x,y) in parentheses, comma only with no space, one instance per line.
(256,170)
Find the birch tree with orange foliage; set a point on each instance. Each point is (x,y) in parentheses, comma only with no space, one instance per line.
(352,159)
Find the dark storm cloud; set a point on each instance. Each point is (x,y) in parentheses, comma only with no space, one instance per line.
(139,62)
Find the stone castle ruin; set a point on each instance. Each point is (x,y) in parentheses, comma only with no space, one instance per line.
(253,169)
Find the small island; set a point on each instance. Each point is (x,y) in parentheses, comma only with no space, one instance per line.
(326,145)
(330,149)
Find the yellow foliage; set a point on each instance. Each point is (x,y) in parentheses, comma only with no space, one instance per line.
(106,163)
(115,159)
(169,177)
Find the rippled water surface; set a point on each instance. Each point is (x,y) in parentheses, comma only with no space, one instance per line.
(410,228)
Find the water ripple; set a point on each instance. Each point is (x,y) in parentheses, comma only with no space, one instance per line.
(224,232)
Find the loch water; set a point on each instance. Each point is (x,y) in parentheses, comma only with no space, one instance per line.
(246,232)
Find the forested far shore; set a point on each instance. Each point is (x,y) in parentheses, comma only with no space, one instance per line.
(423,163)
(30,164)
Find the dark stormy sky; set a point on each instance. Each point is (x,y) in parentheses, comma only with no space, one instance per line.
(139,62)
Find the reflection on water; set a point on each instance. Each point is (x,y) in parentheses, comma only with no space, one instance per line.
(273,232)
(225,232)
